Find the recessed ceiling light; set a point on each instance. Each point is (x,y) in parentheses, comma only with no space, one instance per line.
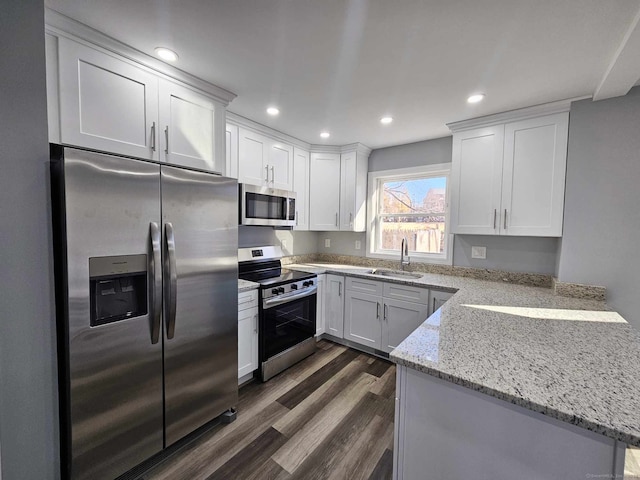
(273,111)
(478,97)
(386,120)
(325,134)
(166,54)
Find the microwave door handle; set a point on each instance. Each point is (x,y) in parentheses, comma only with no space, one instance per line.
(155,284)
(171,280)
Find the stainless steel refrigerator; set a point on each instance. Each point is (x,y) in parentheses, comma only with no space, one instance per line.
(146,282)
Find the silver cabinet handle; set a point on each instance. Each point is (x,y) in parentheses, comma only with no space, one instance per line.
(266,167)
(495,215)
(273,175)
(171,280)
(153,136)
(377,309)
(505,218)
(434,306)
(155,285)
(339,289)
(385,312)
(350,218)
(166,140)
(296,218)
(336,219)
(255,329)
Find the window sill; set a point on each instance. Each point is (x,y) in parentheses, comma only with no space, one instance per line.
(413,258)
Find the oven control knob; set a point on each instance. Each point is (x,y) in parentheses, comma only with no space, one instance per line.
(280,290)
(308,284)
(274,291)
(294,287)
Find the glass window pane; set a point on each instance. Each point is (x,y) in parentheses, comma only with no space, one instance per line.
(421,195)
(424,234)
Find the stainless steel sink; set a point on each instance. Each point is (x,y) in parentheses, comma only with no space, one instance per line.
(395,274)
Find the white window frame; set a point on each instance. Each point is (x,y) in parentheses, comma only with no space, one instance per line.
(373,197)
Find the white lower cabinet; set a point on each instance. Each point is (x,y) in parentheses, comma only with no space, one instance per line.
(247,332)
(320,282)
(334,305)
(437,298)
(379,320)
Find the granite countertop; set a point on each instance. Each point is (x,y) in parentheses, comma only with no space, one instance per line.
(246,285)
(570,359)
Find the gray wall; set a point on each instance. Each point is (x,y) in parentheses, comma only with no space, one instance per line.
(602,200)
(292,242)
(514,254)
(28,408)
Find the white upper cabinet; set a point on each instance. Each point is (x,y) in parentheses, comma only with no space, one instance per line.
(231,153)
(508,178)
(101,100)
(190,124)
(533,176)
(353,191)
(324,192)
(264,161)
(106,103)
(476,177)
(301,187)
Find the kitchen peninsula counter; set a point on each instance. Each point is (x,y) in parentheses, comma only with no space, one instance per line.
(572,360)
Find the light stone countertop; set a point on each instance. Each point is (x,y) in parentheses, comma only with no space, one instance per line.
(570,359)
(246,285)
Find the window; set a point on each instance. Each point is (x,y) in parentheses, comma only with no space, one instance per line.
(413,204)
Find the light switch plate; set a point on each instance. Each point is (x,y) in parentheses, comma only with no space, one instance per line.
(327,243)
(358,245)
(479,252)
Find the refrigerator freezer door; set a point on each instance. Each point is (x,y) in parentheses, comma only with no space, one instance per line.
(200,240)
(115,368)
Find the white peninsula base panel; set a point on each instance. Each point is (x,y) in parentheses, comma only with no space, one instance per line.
(446,431)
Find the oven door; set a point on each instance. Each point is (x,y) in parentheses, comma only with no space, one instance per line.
(286,321)
(266,206)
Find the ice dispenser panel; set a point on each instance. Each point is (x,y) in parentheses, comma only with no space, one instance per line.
(118,288)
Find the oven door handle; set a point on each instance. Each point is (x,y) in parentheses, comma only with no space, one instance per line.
(280,299)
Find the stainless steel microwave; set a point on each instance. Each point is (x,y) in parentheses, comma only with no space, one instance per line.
(266,206)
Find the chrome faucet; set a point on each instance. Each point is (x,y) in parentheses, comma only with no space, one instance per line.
(404,253)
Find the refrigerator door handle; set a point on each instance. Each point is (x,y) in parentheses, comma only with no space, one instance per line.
(155,286)
(171,279)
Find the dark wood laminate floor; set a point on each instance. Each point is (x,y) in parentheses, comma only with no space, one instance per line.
(328,417)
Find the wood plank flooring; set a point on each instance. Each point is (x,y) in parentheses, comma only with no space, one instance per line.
(327,417)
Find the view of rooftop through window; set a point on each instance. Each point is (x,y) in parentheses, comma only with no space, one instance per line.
(416,209)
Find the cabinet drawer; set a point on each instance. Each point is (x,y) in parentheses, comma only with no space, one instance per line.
(364,286)
(406,293)
(247,300)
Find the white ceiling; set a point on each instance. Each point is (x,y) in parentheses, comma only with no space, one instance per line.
(342,64)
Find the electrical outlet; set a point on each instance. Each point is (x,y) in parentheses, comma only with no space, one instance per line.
(327,243)
(479,252)
(358,245)
(284,244)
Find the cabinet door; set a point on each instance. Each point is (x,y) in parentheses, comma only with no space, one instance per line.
(301,187)
(476,181)
(400,319)
(253,150)
(324,191)
(347,190)
(437,298)
(105,103)
(535,160)
(231,151)
(280,162)
(334,305)
(190,124)
(362,319)
(247,341)
(320,323)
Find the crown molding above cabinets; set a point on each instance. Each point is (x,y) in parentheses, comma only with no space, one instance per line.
(560,106)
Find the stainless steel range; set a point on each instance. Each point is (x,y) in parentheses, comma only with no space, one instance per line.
(287,309)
